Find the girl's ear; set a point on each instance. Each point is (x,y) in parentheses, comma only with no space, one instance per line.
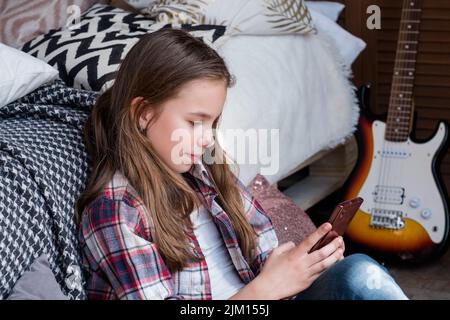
(146,115)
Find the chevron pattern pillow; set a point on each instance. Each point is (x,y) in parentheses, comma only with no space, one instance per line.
(89,54)
(258,17)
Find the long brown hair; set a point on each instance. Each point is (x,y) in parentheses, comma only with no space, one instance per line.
(155,69)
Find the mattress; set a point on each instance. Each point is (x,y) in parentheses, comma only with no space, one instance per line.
(295,85)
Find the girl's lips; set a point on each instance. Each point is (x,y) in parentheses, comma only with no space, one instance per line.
(194,157)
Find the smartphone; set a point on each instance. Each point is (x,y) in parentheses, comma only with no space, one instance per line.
(340,219)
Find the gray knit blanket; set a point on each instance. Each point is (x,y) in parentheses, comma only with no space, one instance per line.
(43,169)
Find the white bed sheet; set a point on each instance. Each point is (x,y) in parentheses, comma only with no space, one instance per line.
(291,83)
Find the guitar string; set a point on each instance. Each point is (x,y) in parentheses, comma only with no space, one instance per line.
(396,166)
(389,166)
(411,56)
(382,192)
(407,104)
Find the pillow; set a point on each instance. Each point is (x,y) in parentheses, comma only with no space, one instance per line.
(348,46)
(22,20)
(241,17)
(331,10)
(123,4)
(89,56)
(140,4)
(38,283)
(21,74)
(290,222)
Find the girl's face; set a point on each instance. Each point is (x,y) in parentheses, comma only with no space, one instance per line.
(183,130)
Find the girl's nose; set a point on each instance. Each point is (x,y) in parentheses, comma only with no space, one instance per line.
(207,140)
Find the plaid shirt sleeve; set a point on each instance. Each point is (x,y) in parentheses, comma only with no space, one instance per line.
(112,232)
(266,237)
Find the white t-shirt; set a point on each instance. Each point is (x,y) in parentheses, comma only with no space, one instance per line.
(225,280)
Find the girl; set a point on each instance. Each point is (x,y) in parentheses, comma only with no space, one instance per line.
(158,222)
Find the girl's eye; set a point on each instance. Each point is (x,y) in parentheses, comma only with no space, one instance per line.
(195,123)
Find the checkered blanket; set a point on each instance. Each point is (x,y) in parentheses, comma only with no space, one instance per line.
(43,169)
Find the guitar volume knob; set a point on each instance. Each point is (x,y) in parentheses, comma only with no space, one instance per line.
(426,214)
(414,202)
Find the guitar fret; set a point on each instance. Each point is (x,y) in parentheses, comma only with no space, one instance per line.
(403,84)
(410,21)
(400,100)
(398,117)
(406,111)
(398,131)
(399,121)
(403,125)
(407,51)
(409,31)
(399,106)
(413,10)
(407,60)
(401,113)
(408,41)
(405,107)
(401,92)
(398,128)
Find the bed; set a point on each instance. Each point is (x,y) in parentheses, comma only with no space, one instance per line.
(304,91)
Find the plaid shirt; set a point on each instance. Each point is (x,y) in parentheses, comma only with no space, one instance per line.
(122,261)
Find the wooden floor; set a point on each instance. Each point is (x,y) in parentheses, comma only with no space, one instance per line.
(431,281)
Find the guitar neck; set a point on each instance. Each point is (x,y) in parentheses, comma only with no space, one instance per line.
(401,107)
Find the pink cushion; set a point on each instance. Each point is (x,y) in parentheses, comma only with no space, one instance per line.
(291,223)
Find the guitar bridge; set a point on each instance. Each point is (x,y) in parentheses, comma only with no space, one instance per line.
(387,219)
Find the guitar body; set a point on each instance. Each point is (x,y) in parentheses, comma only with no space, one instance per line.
(405,209)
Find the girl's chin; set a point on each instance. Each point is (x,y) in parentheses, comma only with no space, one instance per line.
(184,167)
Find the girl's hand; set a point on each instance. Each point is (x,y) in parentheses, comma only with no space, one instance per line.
(289,269)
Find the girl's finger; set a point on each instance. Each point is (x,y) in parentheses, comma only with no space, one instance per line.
(310,241)
(326,263)
(283,248)
(313,277)
(323,253)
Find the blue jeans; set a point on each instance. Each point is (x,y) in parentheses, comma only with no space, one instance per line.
(356,277)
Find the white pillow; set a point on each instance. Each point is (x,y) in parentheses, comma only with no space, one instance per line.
(330,9)
(21,74)
(140,4)
(348,46)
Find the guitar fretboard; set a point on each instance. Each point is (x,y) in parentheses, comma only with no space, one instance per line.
(400,111)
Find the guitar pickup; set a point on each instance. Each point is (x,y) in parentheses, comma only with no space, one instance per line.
(394,153)
(389,195)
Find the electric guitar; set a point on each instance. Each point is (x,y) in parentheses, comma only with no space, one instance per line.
(405,209)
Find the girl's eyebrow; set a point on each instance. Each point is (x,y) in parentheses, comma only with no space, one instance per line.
(201,114)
